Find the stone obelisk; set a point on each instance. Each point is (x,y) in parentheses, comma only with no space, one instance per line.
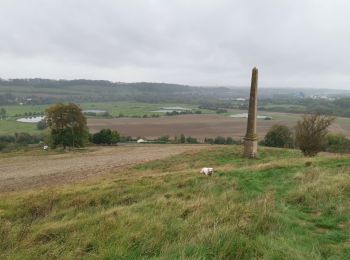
(251,138)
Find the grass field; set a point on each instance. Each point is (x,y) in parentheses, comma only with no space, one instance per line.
(11,127)
(113,108)
(280,206)
(128,109)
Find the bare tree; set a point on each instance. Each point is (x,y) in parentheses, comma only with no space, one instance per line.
(310,133)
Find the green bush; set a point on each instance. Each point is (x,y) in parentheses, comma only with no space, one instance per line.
(164,139)
(10,142)
(209,140)
(191,140)
(279,136)
(41,125)
(311,132)
(180,139)
(230,140)
(106,136)
(220,140)
(337,143)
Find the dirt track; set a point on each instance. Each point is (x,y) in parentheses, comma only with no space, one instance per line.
(28,171)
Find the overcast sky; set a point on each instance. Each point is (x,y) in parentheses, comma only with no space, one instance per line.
(294,43)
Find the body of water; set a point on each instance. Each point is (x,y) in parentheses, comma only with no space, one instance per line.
(34,119)
(96,111)
(245,115)
(171,109)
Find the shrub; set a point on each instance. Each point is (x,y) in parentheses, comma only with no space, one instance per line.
(279,136)
(209,140)
(7,138)
(41,125)
(191,140)
(106,114)
(3,113)
(164,139)
(230,140)
(106,136)
(126,139)
(311,132)
(337,143)
(17,140)
(182,139)
(221,111)
(220,140)
(25,139)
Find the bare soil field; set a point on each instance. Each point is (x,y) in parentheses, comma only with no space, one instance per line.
(199,126)
(29,171)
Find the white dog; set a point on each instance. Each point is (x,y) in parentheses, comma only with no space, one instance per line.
(207,171)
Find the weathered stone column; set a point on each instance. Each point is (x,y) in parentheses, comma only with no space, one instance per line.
(251,139)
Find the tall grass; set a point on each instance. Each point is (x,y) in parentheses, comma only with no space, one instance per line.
(280,206)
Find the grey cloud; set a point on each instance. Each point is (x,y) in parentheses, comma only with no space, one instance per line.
(201,42)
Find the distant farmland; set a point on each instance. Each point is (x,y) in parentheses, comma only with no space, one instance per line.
(199,126)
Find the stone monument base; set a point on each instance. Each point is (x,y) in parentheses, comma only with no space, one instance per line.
(250,148)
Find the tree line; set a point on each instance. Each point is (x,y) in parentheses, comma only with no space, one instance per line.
(310,135)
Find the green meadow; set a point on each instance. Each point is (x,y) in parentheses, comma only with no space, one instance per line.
(127,109)
(279,206)
(113,108)
(10,126)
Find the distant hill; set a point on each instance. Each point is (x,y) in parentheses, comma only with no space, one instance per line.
(47,91)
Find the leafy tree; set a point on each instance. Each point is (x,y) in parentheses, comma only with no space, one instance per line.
(209,140)
(106,136)
(230,140)
(125,139)
(7,138)
(25,139)
(182,139)
(191,140)
(279,136)
(311,132)
(164,139)
(67,124)
(3,113)
(41,125)
(337,143)
(220,140)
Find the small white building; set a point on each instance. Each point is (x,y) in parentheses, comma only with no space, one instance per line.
(140,141)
